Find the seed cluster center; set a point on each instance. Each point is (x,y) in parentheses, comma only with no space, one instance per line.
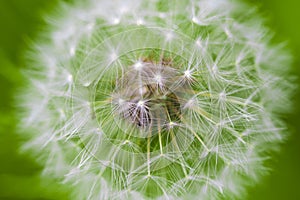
(147,96)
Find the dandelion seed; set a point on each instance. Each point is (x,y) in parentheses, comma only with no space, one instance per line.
(162,15)
(169,36)
(90,27)
(195,20)
(187,74)
(70,78)
(139,22)
(72,51)
(121,101)
(141,103)
(138,65)
(116,21)
(158,78)
(113,56)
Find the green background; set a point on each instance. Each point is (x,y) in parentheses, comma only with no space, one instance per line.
(19,174)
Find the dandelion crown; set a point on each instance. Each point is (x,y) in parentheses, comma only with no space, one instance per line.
(155,99)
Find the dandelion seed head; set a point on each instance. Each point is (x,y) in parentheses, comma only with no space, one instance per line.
(155,99)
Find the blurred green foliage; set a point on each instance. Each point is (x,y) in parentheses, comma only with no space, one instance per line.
(20,21)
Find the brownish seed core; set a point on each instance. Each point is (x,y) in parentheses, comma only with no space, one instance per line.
(150,101)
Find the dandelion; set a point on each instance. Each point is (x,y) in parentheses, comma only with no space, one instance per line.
(156,99)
